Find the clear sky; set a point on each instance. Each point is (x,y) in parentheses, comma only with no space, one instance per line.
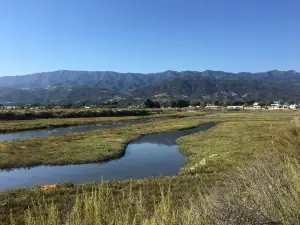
(149,35)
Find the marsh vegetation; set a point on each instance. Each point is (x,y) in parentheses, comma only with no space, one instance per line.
(243,171)
(14,125)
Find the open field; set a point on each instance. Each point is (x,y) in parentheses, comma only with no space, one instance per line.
(23,125)
(211,188)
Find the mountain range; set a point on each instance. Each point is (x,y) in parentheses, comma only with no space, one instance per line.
(70,86)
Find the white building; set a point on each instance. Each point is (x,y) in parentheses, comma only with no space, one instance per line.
(256,105)
(213,107)
(275,105)
(285,106)
(10,107)
(294,106)
(235,107)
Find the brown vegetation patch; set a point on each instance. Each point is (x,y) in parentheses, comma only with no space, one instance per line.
(48,187)
(1,145)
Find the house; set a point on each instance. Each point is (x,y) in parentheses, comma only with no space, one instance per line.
(285,106)
(10,107)
(256,105)
(275,105)
(235,107)
(213,107)
(294,106)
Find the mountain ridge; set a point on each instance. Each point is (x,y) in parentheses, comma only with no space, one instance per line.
(126,82)
(102,86)
(194,87)
(59,95)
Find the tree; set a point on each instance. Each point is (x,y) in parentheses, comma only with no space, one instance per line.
(226,102)
(67,106)
(238,102)
(179,103)
(216,102)
(151,104)
(249,102)
(195,103)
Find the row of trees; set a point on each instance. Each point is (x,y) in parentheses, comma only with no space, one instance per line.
(173,103)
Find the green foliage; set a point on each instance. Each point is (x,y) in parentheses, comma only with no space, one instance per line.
(151,104)
(195,103)
(179,103)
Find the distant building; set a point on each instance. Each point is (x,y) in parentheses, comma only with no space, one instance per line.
(285,106)
(256,105)
(275,105)
(235,107)
(213,107)
(294,106)
(10,107)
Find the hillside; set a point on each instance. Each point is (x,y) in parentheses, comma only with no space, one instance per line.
(198,88)
(109,80)
(59,95)
(124,82)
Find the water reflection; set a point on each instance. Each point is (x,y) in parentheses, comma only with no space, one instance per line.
(151,155)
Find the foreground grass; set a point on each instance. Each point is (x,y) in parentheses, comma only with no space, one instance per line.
(23,125)
(265,191)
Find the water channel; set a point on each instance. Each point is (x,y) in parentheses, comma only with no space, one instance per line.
(151,155)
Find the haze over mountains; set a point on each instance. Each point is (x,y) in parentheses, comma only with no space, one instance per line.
(65,85)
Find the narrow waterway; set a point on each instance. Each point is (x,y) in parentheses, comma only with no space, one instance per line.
(63,130)
(151,155)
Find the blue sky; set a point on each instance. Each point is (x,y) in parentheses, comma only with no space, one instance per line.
(149,35)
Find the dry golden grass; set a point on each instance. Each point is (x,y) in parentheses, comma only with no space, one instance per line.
(266,192)
(48,187)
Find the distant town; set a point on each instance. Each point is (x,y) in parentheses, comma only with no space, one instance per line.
(215,105)
(256,105)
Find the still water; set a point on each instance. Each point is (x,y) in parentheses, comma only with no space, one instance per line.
(62,131)
(151,155)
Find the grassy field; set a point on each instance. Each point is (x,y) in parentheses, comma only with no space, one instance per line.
(235,173)
(23,125)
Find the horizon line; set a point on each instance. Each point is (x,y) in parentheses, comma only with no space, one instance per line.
(111,71)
